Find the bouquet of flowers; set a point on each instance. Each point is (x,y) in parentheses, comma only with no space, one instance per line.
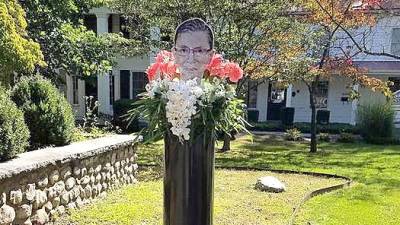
(187,107)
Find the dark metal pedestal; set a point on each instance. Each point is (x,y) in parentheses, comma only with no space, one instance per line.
(189,180)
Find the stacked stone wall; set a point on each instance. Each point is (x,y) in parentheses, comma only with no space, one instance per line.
(39,186)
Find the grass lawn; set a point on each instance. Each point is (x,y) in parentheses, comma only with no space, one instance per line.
(236,201)
(373,199)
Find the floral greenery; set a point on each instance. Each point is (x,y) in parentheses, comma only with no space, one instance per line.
(293,135)
(218,108)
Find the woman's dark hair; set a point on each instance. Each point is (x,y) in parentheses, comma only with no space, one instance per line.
(195,24)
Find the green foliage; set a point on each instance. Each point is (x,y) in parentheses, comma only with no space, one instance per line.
(293,135)
(332,128)
(324,137)
(17,52)
(120,109)
(47,113)
(14,134)
(346,138)
(66,44)
(376,121)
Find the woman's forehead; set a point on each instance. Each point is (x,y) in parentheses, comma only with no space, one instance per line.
(193,39)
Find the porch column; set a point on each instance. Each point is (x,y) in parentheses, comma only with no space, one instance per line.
(354,106)
(289,95)
(155,35)
(103,81)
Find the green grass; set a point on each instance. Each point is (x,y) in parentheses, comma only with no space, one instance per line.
(236,201)
(374,198)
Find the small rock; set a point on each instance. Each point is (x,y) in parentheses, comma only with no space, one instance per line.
(7,214)
(39,200)
(79,203)
(83,172)
(23,212)
(3,199)
(61,209)
(59,187)
(88,191)
(40,217)
(91,171)
(43,181)
(27,222)
(77,171)
(92,179)
(85,180)
(16,197)
(104,186)
(98,178)
(70,183)
(55,202)
(51,193)
(64,198)
(30,192)
(54,177)
(270,184)
(103,195)
(98,169)
(48,206)
(71,205)
(66,173)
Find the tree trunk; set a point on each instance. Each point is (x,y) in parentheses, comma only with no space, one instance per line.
(227,143)
(313,145)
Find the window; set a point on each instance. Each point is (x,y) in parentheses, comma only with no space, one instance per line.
(90,22)
(395,47)
(112,86)
(252,95)
(75,91)
(124,27)
(124,84)
(321,95)
(139,81)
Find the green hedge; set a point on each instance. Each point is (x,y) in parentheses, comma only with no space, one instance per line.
(332,128)
(47,113)
(376,121)
(14,134)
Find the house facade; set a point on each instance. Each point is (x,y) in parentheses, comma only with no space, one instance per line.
(125,81)
(127,78)
(333,94)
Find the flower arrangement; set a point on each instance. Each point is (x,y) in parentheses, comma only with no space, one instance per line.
(187,107)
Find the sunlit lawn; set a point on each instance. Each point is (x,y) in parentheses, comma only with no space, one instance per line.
(373,199)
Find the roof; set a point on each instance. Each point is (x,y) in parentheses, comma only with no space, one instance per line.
(379,65)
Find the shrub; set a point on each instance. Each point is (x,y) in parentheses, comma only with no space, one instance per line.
(346,138)
(47,113)
(376,121)
(121,108)
(14,134)
(293,135)
(324,137)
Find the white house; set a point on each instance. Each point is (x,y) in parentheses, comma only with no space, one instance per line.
(127,79)
(268,99)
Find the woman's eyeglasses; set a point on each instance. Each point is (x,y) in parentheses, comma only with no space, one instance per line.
(197,52)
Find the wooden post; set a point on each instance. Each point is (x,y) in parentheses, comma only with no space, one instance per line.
(189,180)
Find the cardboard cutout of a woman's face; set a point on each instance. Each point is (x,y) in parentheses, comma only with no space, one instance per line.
(192,53)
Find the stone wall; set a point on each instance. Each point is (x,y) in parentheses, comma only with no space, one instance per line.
(38,186)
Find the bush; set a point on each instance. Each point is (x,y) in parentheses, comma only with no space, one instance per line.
(383,141)
(346,138)
(47,113)
(14,134)
(376,121)
(324,137)
(332,128)
(293,135)
(121,108)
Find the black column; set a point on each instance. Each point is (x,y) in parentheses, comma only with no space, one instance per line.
(189,180)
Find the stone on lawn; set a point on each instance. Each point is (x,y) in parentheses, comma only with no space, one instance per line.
(270,184)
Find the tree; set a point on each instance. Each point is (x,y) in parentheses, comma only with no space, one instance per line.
(317,51)
(18,53)
(241,27)
(66,44)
